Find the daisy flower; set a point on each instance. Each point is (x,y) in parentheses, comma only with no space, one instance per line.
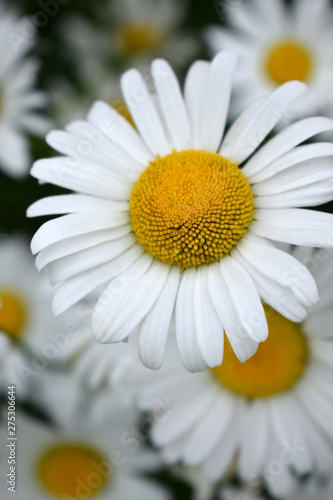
(269,417)
(73,465)
(165,220)
(146,28)
(26,316)
(131,32)
(83,393)
(18,100)
(278,44)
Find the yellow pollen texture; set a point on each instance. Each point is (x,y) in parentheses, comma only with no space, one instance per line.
(13,314)
(191,207)
(71,470)
(288,60)
(276,366)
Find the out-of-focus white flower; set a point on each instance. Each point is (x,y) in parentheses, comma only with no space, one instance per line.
(18,99)
(165,219)
(278,44)
(273,413)
(25,310)
(131,33)
(99,465)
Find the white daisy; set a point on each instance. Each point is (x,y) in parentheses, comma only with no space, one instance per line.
(26,316)
(74,465)
(164,219)
(146,28)
(131,32)
(18,100)
(279,44)
(270,417)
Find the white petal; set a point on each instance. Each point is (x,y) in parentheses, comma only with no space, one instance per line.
(70,265)
(248,132)
(119,311)
(172,104)
(295,226)
(100,152)
(208,328)
(188,348)
(222,457)
(317,406)
(75,224)
(103,150)
(284,141)
(277,296)
(14,153)
(255,435)
(194,93)
(78,243)
(293,157)
(210,430)
(117,129)
(307,196)
(155,326)
(78,287)
(286,420)
(301,175)
(217,98)
(69,203)
(80,176)
(243,346)
(280,267)
(144,113)
(180,421)
(245,299)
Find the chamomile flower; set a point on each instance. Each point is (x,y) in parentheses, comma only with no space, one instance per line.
(269,417)
(131,32)
(18,100)
(74,465)
(83,394)
(146,28)
(25,310)
(278,44)
(164,218)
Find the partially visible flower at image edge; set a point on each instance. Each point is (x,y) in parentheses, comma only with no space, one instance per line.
(278,43)
(164,218)
(19,101)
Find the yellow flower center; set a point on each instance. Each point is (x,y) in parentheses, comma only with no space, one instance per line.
(13,314)
(191,207)
(288,60)
(73,471)
(277,365)
(121,106)
(137,39)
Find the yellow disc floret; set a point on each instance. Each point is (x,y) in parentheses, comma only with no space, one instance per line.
(140,38)
(191,207)
(69,470)
(288,60)
(13,314)
(277,365)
